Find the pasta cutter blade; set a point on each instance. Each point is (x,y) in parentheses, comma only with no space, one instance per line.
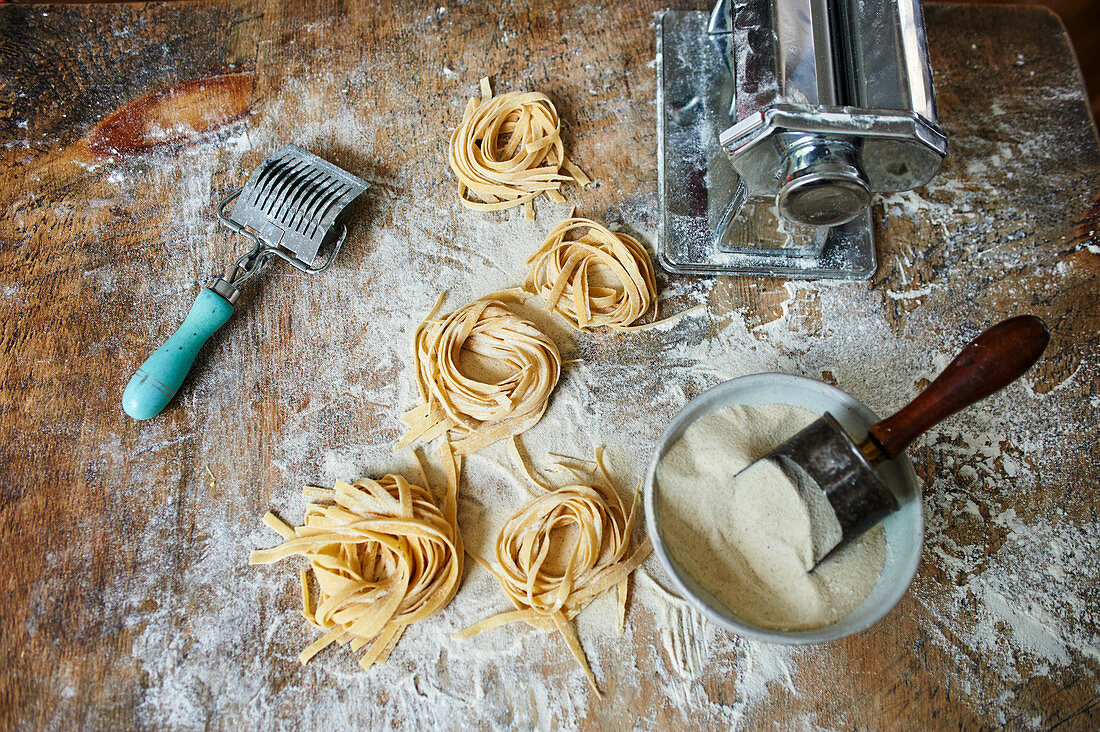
(292,205)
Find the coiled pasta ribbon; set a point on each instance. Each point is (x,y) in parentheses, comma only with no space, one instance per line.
(507,150)
(562,549)
(382,554)
(483,372)
(595,278)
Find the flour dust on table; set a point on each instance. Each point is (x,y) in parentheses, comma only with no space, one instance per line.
(207,635)
(516,675)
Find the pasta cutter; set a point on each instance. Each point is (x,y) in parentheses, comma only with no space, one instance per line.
(291,209)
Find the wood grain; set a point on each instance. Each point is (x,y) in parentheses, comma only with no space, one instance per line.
(107,527)
(987,364)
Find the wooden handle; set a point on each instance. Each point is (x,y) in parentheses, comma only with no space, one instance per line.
(990,362)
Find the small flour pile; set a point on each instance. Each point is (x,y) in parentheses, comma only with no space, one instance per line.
(750,547)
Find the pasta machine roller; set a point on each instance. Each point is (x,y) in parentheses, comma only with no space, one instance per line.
(778,120)
(291,209)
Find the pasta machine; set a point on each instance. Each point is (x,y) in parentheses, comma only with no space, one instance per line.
(777,122)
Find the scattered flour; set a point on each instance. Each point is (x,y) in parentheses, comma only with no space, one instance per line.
(331,420)
(1010,567)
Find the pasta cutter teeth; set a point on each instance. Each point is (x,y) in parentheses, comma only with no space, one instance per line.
(291,208)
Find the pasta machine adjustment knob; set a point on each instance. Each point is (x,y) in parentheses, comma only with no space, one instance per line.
(822,184)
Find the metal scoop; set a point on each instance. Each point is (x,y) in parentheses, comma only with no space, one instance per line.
(290,208)
(835,476)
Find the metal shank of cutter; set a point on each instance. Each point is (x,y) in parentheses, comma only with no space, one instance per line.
(290,208)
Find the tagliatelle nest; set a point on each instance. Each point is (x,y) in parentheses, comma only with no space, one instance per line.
(507,150)
(562,549)
(482,372)
(596,277)
(383,555)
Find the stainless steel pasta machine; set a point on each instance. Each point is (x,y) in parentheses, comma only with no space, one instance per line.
(778,120)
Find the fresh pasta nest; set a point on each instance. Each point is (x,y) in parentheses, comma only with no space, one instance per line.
(592,276)
(562,549)
(483,372)
(383,555)
(507,150)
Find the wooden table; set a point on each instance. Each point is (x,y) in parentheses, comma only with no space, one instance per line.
(129,602)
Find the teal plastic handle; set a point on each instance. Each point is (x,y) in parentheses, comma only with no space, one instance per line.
(159,378)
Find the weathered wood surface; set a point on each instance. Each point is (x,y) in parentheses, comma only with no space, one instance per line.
(124,544)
